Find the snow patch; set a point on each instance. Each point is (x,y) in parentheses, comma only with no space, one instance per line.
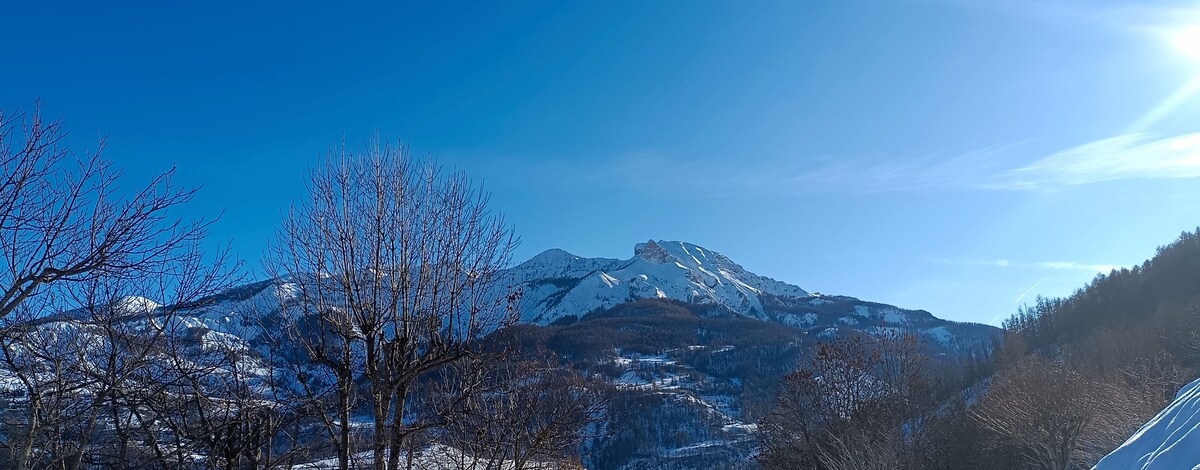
(799,321)
(942,335)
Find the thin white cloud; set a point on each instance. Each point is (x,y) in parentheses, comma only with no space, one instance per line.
(932,172)
(997,168)
(1043,265)
(1125,157)
(1117,15)
(1070,265)
(1132,156)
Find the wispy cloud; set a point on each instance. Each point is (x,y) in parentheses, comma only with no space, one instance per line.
(1118,15)
(1012,167)
(1070,265)
(995,168)
(943,170)
(1124,157)
(1132,156)
(1043,265)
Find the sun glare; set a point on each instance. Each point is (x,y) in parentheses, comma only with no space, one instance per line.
(1187,42)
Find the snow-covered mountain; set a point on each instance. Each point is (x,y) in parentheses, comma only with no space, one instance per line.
(558,286)
(1166,442)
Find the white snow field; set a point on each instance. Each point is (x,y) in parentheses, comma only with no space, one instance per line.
(1169,441)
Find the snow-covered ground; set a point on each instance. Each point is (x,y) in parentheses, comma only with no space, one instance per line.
(434,457)
(1169,441)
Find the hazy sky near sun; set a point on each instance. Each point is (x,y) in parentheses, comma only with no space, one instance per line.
(957,156)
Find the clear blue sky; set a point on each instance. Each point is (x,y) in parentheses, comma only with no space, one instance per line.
(946,155)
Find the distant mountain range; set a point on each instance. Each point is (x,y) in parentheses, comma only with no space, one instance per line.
(692,343)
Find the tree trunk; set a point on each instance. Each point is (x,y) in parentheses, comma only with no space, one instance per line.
(396,436)
(380,400)
(346,387)
(31,431)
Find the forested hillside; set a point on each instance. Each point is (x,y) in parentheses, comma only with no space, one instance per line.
(1118,349)
(1074,377)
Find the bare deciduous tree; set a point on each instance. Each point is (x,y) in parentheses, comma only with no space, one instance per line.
(1042,408)
(69,223)
(1057,417)
(846,406)
(102,379)
(395,261)
(530,413)
(78,255)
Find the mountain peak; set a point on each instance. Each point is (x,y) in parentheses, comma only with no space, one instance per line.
(553,254)
(651,251)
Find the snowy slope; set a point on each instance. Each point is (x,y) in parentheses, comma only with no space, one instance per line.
(1169,441)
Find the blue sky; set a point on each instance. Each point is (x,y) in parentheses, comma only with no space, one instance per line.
(957,156)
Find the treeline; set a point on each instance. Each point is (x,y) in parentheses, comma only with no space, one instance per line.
(1067,381)
(1157,299)
(372,346)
